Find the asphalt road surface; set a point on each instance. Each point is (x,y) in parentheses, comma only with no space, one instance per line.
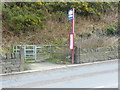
(100,75)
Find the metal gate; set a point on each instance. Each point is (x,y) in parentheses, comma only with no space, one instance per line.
(29,51)
(37,53)
(34,53)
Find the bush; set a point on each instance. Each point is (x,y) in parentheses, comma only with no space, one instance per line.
(22,16)
(97,41)
(31,16)
(111,30)
(62,54)
(86,35)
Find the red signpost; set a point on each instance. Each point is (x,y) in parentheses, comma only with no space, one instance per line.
(71,16)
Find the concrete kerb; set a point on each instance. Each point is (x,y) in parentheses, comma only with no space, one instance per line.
(66,66)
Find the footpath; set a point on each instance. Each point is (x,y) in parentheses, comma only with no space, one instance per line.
(38,67)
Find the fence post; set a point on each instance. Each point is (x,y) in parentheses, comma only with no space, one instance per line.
(51,51)
(22,57)
(118,48)
(77,54)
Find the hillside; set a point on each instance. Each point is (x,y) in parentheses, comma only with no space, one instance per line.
(47,23)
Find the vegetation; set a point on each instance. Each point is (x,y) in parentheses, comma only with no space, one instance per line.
(96,25)
(112,29)
(19,16)
(47,23)
(58,61)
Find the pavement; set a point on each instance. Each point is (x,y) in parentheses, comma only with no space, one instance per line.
(44,66)
(37,67)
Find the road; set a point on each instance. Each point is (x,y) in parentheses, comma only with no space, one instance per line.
(99,75)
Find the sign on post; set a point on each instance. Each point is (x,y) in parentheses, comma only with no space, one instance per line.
(71,41)
(70,14)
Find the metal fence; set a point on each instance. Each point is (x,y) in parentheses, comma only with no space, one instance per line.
(36,53)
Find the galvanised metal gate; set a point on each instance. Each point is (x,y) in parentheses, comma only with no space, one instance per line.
(43,52)
(37,53)
(34,53)
(29,51)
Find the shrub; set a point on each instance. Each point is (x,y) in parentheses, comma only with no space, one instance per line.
(62,53)
(111,30)
(22,16)
(85,35)
(30,16)
(97,41)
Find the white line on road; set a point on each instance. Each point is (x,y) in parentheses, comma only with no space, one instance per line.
(109,86)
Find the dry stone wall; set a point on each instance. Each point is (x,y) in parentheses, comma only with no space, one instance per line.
(14,62)
(11,62)
(99,54)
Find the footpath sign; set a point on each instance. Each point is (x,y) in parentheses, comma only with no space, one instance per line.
(71,35)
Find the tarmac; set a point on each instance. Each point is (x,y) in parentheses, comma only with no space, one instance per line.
(87,75)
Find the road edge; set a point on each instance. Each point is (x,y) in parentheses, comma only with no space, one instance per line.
(66,66)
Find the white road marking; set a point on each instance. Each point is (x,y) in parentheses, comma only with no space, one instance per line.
(109,86)
(100,87)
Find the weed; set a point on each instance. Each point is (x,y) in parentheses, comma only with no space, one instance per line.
(97,41)
(112,29)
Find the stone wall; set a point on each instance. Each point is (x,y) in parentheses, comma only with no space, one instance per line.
(11,62)
(99,54)
(14,62)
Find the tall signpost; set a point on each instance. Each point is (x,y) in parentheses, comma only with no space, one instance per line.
(71,36)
